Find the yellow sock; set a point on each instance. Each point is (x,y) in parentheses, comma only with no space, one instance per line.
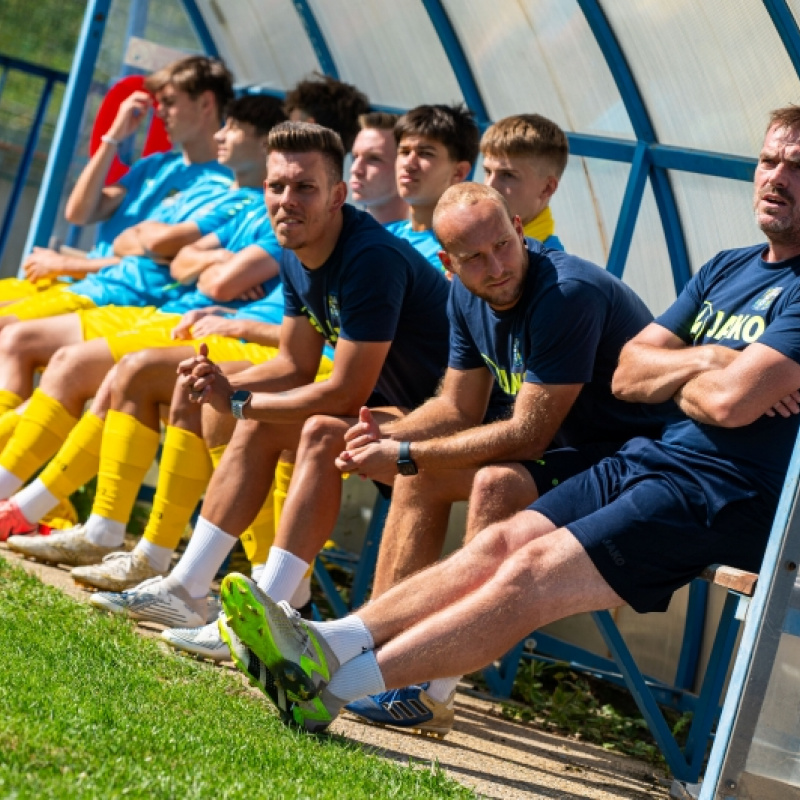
(283,477)
(126,454)
(260,534)
(44,426)
(77,460)
(183,474)
(8,400)
(8,424)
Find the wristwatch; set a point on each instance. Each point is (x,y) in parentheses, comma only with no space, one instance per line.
(239,399)
(405,464)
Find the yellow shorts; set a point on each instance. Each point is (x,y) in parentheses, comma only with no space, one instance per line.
(19,288)
(156,332)
(108,321)
(52,302)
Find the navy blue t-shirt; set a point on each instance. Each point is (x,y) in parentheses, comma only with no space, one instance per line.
(375,287)
(736,299)
(568,326)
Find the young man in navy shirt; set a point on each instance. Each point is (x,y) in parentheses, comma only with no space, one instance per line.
(630,530)
(348,282)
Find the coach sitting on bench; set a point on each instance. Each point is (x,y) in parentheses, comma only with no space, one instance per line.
(633,528)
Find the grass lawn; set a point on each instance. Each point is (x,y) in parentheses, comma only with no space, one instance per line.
(89,709)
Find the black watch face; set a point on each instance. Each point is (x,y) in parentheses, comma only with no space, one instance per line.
(239,396)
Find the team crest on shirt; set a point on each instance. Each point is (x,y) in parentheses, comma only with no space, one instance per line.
(333,312)
(517,365)
(767,299)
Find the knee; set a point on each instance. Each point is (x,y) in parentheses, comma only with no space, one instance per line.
(17,340)
(64,362)
(323,434)
(489,482)
(132,369)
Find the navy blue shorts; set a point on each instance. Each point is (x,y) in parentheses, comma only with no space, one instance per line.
(557,465)
(638,517)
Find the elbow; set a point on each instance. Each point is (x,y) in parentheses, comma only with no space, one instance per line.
(218,290)
(725,410)
(623,388)
(75,214)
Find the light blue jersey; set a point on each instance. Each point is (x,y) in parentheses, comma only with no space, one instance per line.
(139,281)
(149,182)
(553,243)
(423,241)
(252,228)
(270,309)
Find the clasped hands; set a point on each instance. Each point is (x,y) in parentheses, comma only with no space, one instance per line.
(368,454)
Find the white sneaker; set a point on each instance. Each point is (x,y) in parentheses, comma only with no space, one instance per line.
(117,572)
(205,642)
(69,547)
(156,600)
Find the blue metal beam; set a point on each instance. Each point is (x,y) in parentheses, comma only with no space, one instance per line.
(623,235)
(784,22)
(33,69)
(316,37)
(200,28)
(61,152)
(643,128)
(458,60)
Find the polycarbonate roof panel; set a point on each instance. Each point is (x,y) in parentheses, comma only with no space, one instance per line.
(586,206)
(716,214)
(389,49)
(263,42)
(648,270)
(709,70)
(540,56)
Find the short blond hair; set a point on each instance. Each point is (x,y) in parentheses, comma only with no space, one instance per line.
(530,135)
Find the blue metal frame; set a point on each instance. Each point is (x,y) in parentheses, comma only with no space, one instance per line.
(785,24)
(51,77)
(316,37)
(80,78)
(643,128)
(458,60)
(200,28)
(756,614)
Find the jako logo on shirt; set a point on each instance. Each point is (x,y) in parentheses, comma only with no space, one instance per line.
(734,327)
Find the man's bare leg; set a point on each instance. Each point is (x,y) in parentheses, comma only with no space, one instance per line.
(76,372)
(549,578)
(498,492)
(416,525)
(26,346)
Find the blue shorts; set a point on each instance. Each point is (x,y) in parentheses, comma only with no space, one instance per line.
(561,463)
(641,519)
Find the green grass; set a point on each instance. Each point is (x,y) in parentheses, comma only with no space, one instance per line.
(89,709)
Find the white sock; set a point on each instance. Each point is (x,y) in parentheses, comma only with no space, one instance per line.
(282,574)
(348,637)
(157,556)
(35,500)
(302,594)
(208,548)
(103,531)
(9,483)
(256,571)
(358,678)
(441,689)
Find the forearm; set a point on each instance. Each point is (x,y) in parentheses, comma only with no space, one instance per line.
(190,264)
(84,205)
(475,447)
(437,417)
(294,404)
(708,398)
(648,374)
(257,332)
(81,267)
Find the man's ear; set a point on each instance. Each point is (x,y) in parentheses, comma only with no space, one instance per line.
(461,171)
(338,195)
(550,187)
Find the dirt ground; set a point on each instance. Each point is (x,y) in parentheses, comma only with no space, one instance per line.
(495,757)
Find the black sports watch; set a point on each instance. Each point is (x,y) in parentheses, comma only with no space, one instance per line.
(405,464)
(239,399)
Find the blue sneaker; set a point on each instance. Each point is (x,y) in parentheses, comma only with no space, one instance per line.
(411,708)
